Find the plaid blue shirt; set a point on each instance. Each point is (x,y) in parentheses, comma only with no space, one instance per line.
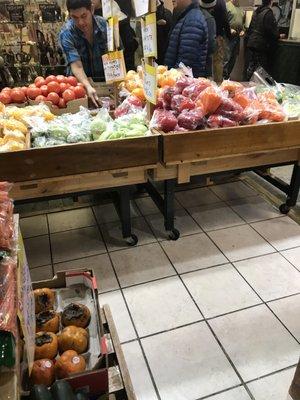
(76,47)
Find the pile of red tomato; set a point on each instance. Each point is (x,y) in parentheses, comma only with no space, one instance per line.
(58,90)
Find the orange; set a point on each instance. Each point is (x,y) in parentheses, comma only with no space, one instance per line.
(161,69)
(139,92)
(167,81)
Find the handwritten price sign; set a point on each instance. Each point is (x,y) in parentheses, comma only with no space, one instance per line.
(150,83)
(149,35)
(107,8)
(141,7)
(114,66)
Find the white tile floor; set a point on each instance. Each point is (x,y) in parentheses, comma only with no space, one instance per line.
(214,315)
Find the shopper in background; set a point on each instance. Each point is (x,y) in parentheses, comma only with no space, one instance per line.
(236,17)
(164,23)
(188,39)
(223,33)
(262,37)
(83,40)
(207,7)
(127,34)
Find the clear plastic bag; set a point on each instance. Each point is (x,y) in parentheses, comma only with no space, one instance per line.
(218,121)
(210,99)
(131,104)
(163,120)
(191,119)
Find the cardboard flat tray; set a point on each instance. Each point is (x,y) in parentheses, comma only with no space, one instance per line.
(80,158)
(209,144)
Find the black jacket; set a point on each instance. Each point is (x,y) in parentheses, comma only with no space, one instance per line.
(221,17)
(263,31)
(163,31)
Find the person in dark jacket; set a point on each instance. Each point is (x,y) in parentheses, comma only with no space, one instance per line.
(223,33)
(207,7)
(188,39)
(127,34)
(164,20)
(262,38)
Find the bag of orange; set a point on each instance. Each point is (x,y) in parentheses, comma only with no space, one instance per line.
(210,99)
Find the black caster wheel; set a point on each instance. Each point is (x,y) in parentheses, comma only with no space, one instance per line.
(132,240)
(284,208)
(174,234)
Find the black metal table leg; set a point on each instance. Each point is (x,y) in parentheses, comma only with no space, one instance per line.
(293,191)
(123,208)
(169,211)
(165,204)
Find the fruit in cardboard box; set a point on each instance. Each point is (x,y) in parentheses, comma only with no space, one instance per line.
(73,338)
(69,363)
(76,314)
(47,321)
(46,345)
(43,372)
(44,299)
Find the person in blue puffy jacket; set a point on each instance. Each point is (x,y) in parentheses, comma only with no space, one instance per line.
(188,40)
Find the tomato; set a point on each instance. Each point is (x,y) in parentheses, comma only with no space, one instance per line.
(53,87)
(68,85)
(44,90)
(32,85)
(68,95)
(72,80)
(62,103)
(61,79)
(33,92)
(53,97)
(7,90)
(79,92)
(5,97)
(17,95)
(40,98)
(50,78)
(39,81)
(24,90)
(63,87)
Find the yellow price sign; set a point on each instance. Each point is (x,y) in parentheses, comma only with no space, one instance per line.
(113,37)
(150,83)
(114,66)
(149,35)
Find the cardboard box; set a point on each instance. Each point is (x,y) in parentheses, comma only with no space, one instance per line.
(72,106)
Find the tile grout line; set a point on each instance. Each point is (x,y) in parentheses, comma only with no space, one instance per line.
(211,330)
(272,373)
(50,246)
(266,304)
(133,324)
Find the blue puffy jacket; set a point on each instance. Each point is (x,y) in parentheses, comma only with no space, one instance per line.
(188,41)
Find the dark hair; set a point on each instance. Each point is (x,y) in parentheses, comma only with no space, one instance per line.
(75,4)
(266,3)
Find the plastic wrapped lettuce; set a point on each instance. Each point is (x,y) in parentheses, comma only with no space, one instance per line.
(100,123)
(125,127)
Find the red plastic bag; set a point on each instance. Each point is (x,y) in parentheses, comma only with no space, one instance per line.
(191,119)
(193,91)
(163,120)
(218,121)
(182,83)
(180,103)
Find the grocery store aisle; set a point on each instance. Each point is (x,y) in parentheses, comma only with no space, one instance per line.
(214,315)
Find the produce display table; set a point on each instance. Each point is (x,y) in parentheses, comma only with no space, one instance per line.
(187,154)
(77,168)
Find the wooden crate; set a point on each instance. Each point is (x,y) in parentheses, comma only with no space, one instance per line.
(80,158)
(187,154)
(63,185)
(184,147)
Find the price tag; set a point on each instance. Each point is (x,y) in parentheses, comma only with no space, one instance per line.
(113,35)
(107,8)
(114,66)
(141,7)
(49,12)
(149,36)
(150,83)
(16,12)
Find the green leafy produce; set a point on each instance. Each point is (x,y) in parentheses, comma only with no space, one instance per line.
(58,132)
(98,126)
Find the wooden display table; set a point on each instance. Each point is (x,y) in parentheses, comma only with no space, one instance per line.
(187,154)
(78,168)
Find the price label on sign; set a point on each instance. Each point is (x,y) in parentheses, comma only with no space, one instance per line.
(16,12)
(107,8)
(150,83)
(141,7)
(114,66)
(149,36)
